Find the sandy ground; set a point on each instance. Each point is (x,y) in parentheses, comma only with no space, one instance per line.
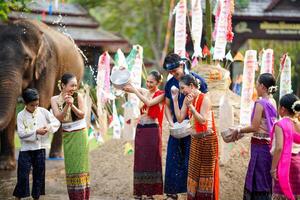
(112,174)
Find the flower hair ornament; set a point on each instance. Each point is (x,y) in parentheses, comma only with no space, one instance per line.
(272,89)
(59,85)
(294,106)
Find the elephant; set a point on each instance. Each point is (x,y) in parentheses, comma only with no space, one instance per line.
(31,55)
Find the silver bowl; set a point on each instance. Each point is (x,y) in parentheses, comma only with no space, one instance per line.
(120,78)
(181,130)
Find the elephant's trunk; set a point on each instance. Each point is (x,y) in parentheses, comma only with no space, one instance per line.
(10,89)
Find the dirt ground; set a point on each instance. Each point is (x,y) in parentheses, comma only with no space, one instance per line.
(112,174)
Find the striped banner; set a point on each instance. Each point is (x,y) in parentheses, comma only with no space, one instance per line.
(267,61)
(250,64)
(286,77)
(180,29)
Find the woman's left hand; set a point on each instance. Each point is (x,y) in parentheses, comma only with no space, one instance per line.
(274,174)
(189,99)
(69,100)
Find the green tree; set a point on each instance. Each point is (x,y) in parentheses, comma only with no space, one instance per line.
(7,5)
(280,48)
(141,22)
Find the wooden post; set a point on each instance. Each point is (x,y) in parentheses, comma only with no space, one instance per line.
(208,27)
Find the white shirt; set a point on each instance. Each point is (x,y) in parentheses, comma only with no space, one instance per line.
(28,123)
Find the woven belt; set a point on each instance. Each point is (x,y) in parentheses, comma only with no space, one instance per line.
(262,135)
(201,135)
(259,141)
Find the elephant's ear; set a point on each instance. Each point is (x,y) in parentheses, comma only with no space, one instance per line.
(42,57)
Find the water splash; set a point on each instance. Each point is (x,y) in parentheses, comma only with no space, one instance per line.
(78,49)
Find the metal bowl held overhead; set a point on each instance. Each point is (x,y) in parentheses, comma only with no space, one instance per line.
(120,78)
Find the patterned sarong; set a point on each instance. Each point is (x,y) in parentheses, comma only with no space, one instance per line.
(294,180)
(76,164)
(203,168)
(147,160)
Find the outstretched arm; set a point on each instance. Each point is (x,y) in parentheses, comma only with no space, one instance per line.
(149,102)
(254,127)
(141,94)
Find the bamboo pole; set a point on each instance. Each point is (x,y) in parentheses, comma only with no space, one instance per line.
(208,16)
(168,34)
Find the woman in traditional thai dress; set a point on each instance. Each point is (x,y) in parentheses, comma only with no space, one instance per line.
(286,153)
(68,107)
(203,176)
(148,139)
(258,184)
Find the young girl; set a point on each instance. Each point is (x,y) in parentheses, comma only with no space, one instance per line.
(202,182)
(68,107)
(34,125)
(148,141)
(286,154)
(258,184)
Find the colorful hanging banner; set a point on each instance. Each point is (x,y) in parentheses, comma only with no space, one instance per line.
(56,4)
(229,56)
(116,123)
(103,82)
(250,64)
(221,29)
(286,76)
(180,29)
(267,61)
(197,25)
(226,121)
(120,61)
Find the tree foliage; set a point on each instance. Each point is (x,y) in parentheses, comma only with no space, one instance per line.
(7,5)
(141,22)
(280,48)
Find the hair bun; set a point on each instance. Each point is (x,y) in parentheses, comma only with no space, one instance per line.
(272,89)
(296,107)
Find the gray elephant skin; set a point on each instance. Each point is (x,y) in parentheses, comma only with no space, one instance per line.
(31,55)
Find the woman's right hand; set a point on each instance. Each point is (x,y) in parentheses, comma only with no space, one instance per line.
(174,93)
(129,88)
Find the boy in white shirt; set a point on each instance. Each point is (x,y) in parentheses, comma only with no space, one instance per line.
(34,125)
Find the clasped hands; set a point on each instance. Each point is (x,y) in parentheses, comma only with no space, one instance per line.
(188,98)
(42,131)
(69,99)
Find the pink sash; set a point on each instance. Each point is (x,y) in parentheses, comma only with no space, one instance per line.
(283,168)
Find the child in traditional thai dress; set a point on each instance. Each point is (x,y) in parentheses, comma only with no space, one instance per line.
(34,125)
(203,176)
(148,139)
(69,108)
(258,184)
(286,153)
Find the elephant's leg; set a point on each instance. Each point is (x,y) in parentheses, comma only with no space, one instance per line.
(56,145)
(7,153)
